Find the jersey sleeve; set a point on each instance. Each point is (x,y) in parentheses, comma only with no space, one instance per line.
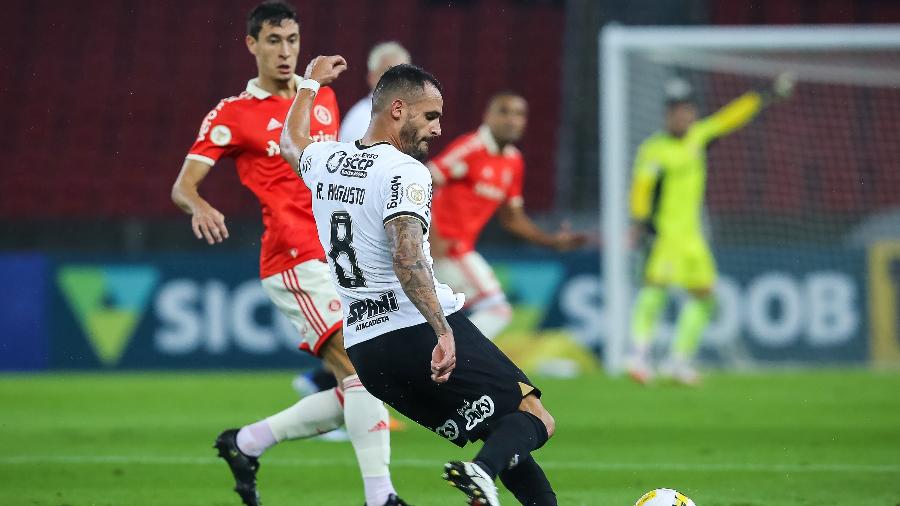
(311,157)
(406,191)
(515,195)
(644,178)
(729,118)
(218,137)
(452,162)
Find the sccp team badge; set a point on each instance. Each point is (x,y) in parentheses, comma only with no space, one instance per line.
(449,430)
(335,160)
(477,411)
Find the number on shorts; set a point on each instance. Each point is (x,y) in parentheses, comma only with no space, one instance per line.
(342,243)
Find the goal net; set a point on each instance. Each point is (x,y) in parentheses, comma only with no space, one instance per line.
(798,202)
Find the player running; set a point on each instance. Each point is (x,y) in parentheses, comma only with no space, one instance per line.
(404,331)
(666,204)
(292,267)
(478,174)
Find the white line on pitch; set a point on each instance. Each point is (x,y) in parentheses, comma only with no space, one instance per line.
(421,463)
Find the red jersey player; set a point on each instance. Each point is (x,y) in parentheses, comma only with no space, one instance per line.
(248,128)
(478,174)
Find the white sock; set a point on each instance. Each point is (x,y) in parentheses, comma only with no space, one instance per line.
(378,486)
(256,438)
(312,415)
(491,317)
(367,425)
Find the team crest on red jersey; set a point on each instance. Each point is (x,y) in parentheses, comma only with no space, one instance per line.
(322,114)
(220,135)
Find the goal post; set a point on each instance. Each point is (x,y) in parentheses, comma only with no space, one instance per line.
(634,61)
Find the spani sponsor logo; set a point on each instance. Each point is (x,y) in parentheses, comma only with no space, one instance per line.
(367,309)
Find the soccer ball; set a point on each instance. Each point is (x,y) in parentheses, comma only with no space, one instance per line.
(664,497)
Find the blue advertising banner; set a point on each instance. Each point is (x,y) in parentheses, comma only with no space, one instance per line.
(210,311)
(172,311)
(24,344)
(774,305)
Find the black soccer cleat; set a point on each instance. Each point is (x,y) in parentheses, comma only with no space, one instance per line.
(472,481)
(243,467)
(393,500)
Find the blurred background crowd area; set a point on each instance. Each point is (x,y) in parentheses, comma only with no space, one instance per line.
(102,102)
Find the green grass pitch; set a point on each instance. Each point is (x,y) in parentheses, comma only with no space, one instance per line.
(768,439)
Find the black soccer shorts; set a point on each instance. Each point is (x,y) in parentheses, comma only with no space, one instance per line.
(485,385)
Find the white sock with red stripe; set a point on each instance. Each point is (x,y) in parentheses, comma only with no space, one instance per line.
(491,318)
(367,425)
(311,416)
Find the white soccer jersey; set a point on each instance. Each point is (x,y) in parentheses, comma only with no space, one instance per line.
(356,189)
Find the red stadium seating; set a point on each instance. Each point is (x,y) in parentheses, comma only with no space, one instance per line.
(107,101)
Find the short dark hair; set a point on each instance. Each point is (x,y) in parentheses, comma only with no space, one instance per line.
(405,79)
(273,12)
(504,94)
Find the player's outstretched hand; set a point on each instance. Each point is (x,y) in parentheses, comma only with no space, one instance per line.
(443,358)
(209,224)
(325,69)
(566,240)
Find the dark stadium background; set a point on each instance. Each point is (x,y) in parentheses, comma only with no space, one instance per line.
(101,99)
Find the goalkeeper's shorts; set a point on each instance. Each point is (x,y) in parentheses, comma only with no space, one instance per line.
(684,262)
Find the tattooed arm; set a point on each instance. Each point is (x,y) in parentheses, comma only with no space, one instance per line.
(406,239)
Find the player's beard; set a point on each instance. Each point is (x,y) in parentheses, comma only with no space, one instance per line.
(411,144)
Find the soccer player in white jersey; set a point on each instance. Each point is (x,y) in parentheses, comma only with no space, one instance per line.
(404,331)
(353,126)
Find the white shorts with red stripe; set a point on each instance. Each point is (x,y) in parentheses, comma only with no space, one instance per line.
(306,296)
(471,275)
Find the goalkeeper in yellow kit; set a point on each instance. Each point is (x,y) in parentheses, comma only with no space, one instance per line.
(667,192)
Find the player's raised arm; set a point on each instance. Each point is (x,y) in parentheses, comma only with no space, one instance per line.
(295,135)
(406,238)
(744,108)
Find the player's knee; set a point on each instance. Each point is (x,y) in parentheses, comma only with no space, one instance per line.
(532,405)
(549,423)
